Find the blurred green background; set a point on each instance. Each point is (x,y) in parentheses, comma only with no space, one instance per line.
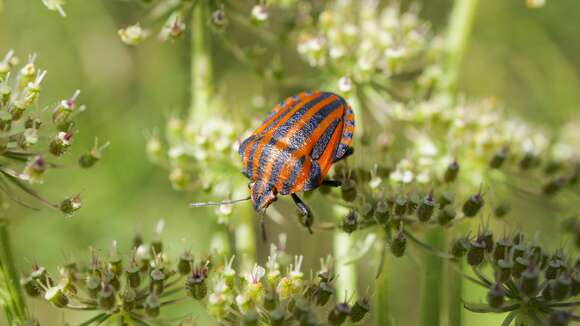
(529,59)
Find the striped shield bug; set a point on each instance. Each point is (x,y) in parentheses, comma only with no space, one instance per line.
(294,148)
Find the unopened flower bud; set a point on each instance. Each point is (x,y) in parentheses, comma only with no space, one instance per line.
(271,300)
(195,286)
(504,270)
(520,265)
(502,248)
(529,161)
(400,206)
(498,159)
(359,310)
(446,215)
(30,286)
(157,281)
(554,186)
(70,205)
(472,206)
(558,318)
(495,296)
(106,297)
(445,199)
(133,276)
(501,210)
(301,308)
(553,269)
(399,244)
(348,190)
(476,253)
(350,222)
(451,172)
(152,306)
(277,317)
(251,318)
(561,287)
(60,144)
(382,211)
(323,293)
(338,314)
(185,263)
(529,281)
(129,298)
(426,207)
(460,247)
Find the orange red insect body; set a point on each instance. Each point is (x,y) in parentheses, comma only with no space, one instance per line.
(296,145)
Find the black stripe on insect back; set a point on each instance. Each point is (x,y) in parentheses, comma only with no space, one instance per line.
(285,111)
(321,144)
(287,186)
(281,132)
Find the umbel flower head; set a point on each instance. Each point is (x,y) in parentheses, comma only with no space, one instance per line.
(523,278)
(33,137)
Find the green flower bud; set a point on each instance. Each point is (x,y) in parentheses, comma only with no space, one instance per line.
(501,210)
(106,297)
(129,299)
(56,296)
(460,247)
(350,222)
(445,199)
(277,317)
(152,306)
(301,308)
(520,265)
(559,318)
(529,282)
(359,310)
(504,270)
(561,288)
(498,159)
(271,300)
(446,215)
(399,244)
(382,211)
(30,286)
(133,276)
(157,281)
(502,248)
(70,205)
(425,210)
(195,286)
(476,253)
(338,314)
(554,186)
(251,318)
(472,206)
(487,238)
(60,143)
(495,296)
(400,206)
(185,263)
(553,269)
(323,293)
(93,285)
(348,190)
(451,172)
(529,161)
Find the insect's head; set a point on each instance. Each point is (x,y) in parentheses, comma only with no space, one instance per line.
(262,194)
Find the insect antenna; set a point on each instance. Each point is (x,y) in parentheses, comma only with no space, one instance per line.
(217,203)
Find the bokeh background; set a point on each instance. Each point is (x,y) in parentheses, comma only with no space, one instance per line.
(529,59)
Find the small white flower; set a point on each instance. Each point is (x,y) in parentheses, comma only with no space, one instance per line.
(260,13)
(345,84)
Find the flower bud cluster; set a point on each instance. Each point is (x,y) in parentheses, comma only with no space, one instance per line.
(364,42)
(138,286)
(281,293)
(32,136)
(521,275)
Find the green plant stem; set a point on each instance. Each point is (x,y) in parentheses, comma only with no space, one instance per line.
(245,238)
(201,64)
(458,33)
(455,286)
(346,281)
(381,312)
(431,292)
(11,295)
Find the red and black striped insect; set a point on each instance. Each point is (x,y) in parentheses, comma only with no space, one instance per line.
(294,148)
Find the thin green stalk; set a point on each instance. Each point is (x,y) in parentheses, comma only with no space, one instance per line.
(245,238)
(431,294)
(458,33)
(202,107)
(382,315)
(201,64)
(11,295)
(346,281)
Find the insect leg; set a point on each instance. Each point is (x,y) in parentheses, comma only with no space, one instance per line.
(331,183)
(304,212)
